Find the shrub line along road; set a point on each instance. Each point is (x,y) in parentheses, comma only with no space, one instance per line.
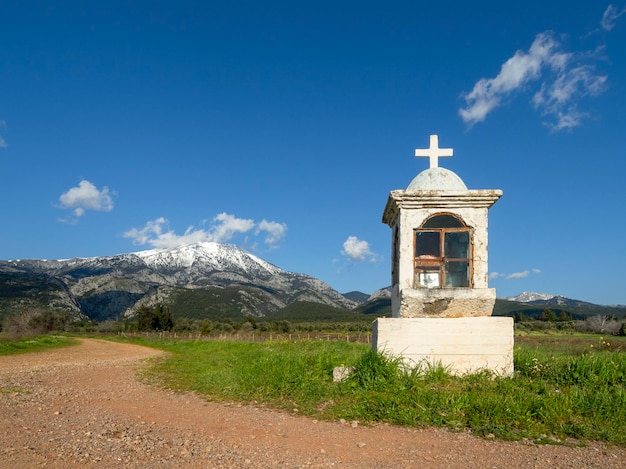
(83,407)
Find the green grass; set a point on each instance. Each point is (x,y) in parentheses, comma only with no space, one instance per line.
(33,344)
(282,374)
(563,386)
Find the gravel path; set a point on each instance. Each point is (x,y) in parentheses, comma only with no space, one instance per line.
(83,407)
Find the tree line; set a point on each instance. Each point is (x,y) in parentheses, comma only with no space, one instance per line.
(160,318)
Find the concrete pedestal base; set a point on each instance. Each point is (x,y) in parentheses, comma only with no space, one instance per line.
(462,345)
(442,302)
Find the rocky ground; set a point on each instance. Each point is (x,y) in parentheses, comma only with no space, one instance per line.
(84,407)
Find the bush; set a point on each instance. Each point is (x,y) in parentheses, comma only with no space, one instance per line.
(36,322)
(206,327)
(601,324)
(536,325)
(110,327)
(376,370)
(184,325)
(246,326)
(224,327)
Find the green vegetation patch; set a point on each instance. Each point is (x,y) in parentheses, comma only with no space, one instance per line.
(34,344)
(281,374)
(559,391)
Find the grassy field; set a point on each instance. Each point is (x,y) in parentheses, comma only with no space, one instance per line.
(12,346)
(565,388)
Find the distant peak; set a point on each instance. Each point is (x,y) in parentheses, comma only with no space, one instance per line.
(527,296)
(204,252)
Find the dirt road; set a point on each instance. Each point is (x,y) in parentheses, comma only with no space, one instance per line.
(83,407)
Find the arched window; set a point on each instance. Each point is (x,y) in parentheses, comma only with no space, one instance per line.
(443,253)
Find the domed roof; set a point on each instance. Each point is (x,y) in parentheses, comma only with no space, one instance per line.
(437,179)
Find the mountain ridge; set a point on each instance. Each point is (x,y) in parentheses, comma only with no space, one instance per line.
(205,279)
(111,287)
(551,299)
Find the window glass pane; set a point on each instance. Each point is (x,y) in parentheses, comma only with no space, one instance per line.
(456,245)
(429,279)
(443,221)
(456,274)
(427,244)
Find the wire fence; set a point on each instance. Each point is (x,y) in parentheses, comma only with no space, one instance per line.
(357,337)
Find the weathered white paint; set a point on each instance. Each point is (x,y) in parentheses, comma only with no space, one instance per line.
(406,211)
(434,152)
(435,179)
(462,345)
(443,302)
(448,326)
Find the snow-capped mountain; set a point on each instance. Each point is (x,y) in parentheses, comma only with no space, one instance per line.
(540,301)
(110,287)
(207,255)
(547,299)
(528,297)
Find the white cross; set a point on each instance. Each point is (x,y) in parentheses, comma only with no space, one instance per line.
(434,152)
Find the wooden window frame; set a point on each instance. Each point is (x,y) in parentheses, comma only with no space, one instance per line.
(437,265)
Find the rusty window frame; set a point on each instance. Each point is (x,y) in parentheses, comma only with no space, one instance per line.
(436,265)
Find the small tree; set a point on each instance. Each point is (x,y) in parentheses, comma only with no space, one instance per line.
(548,315)
(158,318)
(564,316)
(252,320)
(163,316)
(519,316)
(144,319)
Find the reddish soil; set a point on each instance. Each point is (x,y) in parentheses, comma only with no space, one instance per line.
(83,406)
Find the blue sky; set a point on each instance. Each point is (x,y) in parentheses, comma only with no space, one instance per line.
(282,126)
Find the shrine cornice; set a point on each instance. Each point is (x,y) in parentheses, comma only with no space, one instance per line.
(401,199)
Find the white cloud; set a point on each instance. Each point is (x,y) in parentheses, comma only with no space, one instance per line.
(514,275)
(516,72)
(564,80)
(554,98)
(152,230)
(518,275)
(358,250)
(86,196)
(610,17)
(227,226)
(223,228)
(275,231)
